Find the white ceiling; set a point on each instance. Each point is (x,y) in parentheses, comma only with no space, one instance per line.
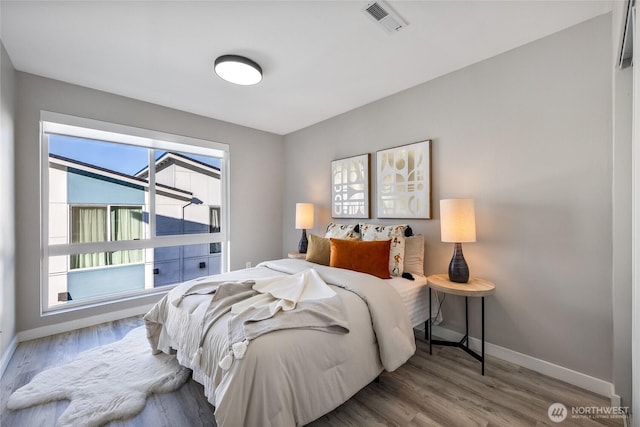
(320,58)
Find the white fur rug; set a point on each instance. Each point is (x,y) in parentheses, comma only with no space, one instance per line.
(105,383)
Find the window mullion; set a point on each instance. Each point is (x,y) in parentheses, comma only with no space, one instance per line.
(151,191)
(108,223)
(44,219)
(119,245)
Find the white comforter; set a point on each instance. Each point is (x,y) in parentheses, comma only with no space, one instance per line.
(291,377)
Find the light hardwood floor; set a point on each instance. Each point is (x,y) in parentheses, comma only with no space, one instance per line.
(445,389)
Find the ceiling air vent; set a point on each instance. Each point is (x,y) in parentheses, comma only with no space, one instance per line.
(381,13)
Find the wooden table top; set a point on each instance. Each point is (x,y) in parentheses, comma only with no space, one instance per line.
(296,255)
(476,287)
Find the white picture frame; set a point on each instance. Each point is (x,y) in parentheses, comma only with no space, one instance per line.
(403,177)
(350,184)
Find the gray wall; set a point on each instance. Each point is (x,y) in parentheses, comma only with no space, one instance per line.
(621,280)
(621,198)
(256,165)
(7,217)
(527,134)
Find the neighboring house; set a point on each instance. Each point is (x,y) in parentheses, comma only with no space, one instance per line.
(93,204)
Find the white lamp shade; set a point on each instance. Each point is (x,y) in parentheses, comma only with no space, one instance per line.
(304,215)
(457,220)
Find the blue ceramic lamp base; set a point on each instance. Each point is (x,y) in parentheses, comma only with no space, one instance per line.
(302,245)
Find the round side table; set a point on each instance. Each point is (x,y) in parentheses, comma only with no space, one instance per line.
(476,287)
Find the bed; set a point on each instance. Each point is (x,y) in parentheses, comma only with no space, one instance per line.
(291,377)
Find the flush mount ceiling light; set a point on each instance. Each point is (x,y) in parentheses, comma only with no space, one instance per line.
(238,69)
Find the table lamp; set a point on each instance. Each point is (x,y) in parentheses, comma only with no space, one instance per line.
(457,225)
(304,220)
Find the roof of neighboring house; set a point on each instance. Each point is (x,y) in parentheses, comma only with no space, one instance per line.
(169,158)
(83,165)
(109,174)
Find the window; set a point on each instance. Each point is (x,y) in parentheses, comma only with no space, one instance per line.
(127,211)
(214,227)
(89,224)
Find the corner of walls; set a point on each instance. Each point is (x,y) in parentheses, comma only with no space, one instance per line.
(7,213)
(7,354)
(622,87)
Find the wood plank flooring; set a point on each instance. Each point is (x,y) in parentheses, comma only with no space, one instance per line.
(443,389)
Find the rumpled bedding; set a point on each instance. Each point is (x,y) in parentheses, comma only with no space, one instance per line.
(290,301)
(288,376)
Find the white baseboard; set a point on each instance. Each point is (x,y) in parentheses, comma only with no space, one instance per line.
(615,399)
(8,353)
(84,322)
(561,373)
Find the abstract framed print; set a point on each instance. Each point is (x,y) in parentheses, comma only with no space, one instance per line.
(404,181)
(350,185)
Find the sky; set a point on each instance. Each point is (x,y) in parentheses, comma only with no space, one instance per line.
(127,159)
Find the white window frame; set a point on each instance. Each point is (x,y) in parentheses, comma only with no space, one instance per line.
(63,124)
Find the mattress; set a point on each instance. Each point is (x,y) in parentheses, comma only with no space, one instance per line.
(415,296)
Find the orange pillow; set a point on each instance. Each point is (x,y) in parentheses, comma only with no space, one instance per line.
(370,257)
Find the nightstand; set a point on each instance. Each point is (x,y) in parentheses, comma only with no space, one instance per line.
(296,255)
(477,288)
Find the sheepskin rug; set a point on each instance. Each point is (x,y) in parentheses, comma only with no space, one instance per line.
(105,383)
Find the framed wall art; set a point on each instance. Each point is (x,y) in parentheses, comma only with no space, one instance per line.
(350,187)
(404,181)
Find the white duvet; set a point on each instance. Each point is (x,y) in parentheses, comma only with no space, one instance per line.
(290,377)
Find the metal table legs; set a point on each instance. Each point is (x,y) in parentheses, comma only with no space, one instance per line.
(464,342)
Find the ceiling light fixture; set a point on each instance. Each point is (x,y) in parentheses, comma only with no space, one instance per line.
(238,69)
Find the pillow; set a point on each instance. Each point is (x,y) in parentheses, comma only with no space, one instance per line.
(414,255)
(365,257)
(343,231)
(395,233)
(319,250)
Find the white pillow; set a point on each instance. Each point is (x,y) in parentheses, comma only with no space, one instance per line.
(342,231)
(395,233)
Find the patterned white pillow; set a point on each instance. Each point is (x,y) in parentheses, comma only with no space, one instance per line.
(342,231)
(395,233)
